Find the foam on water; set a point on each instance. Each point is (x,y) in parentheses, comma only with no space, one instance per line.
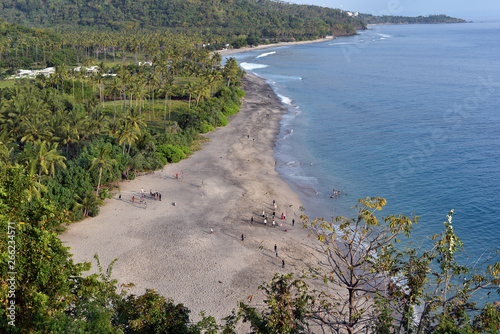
(286,100)
(343,43)
(266,54)
(251,66)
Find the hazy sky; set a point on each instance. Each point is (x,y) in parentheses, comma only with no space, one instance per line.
(460,8)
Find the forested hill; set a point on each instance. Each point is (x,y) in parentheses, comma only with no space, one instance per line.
(370,19)
(263,18)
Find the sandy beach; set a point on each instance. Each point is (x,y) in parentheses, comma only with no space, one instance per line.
(228,52)
(171,248)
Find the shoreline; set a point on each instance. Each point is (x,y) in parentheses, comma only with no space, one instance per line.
(228,52)
(170,248)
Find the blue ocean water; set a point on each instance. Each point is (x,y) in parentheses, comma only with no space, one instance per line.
(405,112)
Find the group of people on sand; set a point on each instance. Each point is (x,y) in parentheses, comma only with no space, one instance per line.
(265,217)
(156,195)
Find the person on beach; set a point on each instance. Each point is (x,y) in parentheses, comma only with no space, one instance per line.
(120,197)
(133,199)
(265,221)
(145,205)
(263,214)
(211,231)
(142,190)
(293,222)
(275,248)
(283,264)
(242,237)
(251,220)
(159,196)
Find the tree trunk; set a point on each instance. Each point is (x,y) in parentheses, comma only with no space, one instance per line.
(99,183)
(153,104)
(169,108)
(165,114)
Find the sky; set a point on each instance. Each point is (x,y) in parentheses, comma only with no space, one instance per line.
(468,10)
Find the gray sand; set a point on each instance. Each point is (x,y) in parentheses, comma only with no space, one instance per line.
(170,248)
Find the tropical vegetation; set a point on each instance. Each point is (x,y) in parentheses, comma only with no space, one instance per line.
(121,104)
(395,19)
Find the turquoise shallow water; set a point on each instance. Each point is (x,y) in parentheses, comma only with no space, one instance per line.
(408,112)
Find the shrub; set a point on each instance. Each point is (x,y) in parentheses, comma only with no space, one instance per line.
(230,108)
(205,127)
(171,153)
(240,93)
(222,121)
(186,150)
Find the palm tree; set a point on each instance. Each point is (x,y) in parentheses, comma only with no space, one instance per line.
(46,159)
(68,133)
(102,161)
(73,79)
(60,75)
(114,88)
(34,128)
(190,89)
(136,121)
(114,128)
(83,76)
(127,134)
(87,203)
(168,87)
(231,70)
(201,89)
(100,79)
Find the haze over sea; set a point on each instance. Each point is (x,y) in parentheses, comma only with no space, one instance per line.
(409,113)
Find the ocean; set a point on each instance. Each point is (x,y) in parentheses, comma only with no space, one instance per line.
(409,113)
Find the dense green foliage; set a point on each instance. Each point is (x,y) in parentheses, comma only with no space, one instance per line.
(239,22)
(389,19)
(79,133)
(20,47)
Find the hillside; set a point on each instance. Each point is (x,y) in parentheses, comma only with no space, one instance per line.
(261,18)
(371,19)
